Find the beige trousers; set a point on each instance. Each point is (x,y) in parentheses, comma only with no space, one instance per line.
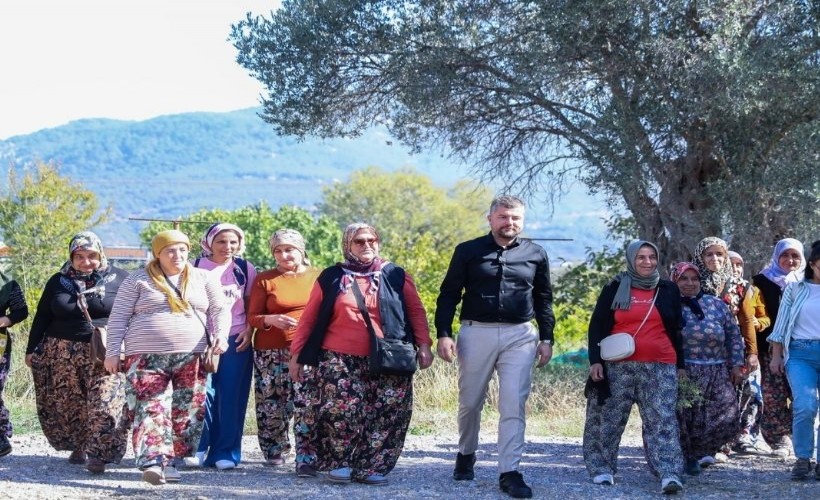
(509,350)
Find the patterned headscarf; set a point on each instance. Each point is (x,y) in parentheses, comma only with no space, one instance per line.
(75,281)
(630,277)
(290,237)
(713,282)
(777,274)
(352,266)
(692,302)
(208,238)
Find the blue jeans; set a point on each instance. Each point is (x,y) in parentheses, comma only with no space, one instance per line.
(803,372)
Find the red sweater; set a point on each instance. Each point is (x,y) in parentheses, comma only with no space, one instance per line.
(347,332)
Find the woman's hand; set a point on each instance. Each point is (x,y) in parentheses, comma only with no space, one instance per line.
(221,345)
(737,375)
(28,359)
(244,339)
(112,364)
(425,356)
(280,321)
(776,365)
(295,369)
(596,372)
(752,363)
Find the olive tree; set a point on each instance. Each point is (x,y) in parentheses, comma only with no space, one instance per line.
(699,117)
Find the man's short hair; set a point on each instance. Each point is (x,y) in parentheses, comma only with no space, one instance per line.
(506,201)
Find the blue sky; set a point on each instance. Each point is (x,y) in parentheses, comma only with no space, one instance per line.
(62,60)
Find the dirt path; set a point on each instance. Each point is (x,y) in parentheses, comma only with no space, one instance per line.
(553,467)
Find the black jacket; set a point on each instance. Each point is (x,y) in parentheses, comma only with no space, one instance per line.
(59,316)
(772,294)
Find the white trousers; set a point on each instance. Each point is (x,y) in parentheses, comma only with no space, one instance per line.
(509,350)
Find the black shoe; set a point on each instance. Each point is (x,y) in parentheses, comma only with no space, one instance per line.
(817,471)
(5,447)
(464,467)
(801,469)
(512,483)
(692,467)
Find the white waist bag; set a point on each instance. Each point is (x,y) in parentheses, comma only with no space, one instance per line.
(618,346)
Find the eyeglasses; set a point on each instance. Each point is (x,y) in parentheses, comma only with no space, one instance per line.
(365,241)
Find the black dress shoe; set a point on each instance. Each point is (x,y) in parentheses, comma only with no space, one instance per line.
(512,483)
(5,446)
(464,467)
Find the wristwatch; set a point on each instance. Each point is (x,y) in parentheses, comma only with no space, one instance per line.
(546,342)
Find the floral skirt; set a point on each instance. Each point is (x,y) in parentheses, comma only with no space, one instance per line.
(80,405)
(361,420)
(166,393)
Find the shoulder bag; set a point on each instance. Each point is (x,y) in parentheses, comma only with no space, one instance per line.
(618,346)
(98,333)
(388,356)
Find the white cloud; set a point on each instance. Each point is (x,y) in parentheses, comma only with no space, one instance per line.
(128,59)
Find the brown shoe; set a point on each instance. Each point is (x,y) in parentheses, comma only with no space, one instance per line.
(95,465)
(77,457)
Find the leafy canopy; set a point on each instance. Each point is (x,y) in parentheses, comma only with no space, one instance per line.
(39,215)
(700,118)
(259,222)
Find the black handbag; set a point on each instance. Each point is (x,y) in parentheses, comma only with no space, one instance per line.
(388,356)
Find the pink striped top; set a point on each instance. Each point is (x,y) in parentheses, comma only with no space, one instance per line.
(142,318)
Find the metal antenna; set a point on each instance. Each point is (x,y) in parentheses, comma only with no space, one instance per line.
(176,222)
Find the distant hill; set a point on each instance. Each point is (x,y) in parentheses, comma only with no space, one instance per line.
(173,165)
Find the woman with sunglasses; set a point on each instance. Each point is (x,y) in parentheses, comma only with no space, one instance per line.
(360,418)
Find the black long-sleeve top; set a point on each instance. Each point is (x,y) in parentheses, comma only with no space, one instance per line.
(59,316)
(13,302)
(499,285)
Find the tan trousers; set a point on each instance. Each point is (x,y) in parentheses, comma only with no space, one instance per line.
(509,350)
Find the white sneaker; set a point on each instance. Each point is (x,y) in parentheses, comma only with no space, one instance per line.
(198,460)
(670,485)
(721,458)
(225,464)
(707,461)
(341,475)
(605,479)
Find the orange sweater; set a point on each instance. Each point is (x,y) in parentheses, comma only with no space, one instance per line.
(347,332)
(277,293)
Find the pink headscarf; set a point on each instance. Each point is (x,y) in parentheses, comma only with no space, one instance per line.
(208,239)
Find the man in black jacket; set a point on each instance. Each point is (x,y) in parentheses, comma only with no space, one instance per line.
(504,283)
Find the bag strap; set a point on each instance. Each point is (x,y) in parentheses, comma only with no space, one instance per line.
(648,312)
(179,294)
(83,305)
(363,309)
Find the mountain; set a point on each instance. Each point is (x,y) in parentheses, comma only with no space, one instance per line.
(173,165)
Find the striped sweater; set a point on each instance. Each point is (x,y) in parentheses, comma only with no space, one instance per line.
(141,320)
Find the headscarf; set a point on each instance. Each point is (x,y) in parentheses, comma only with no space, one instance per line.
(692,302)
(290,237)
(630,277)
(713,282)
(176,301)
(735,255)
(777,274)
(72,279)
(207,240)
(352,266)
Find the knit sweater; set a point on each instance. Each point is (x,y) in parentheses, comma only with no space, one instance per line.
(277,293)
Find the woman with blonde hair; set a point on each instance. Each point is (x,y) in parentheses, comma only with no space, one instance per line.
(158,322)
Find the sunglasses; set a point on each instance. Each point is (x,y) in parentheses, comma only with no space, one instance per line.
(365,241)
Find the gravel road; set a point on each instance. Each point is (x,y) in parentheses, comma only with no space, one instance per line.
(553,467)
